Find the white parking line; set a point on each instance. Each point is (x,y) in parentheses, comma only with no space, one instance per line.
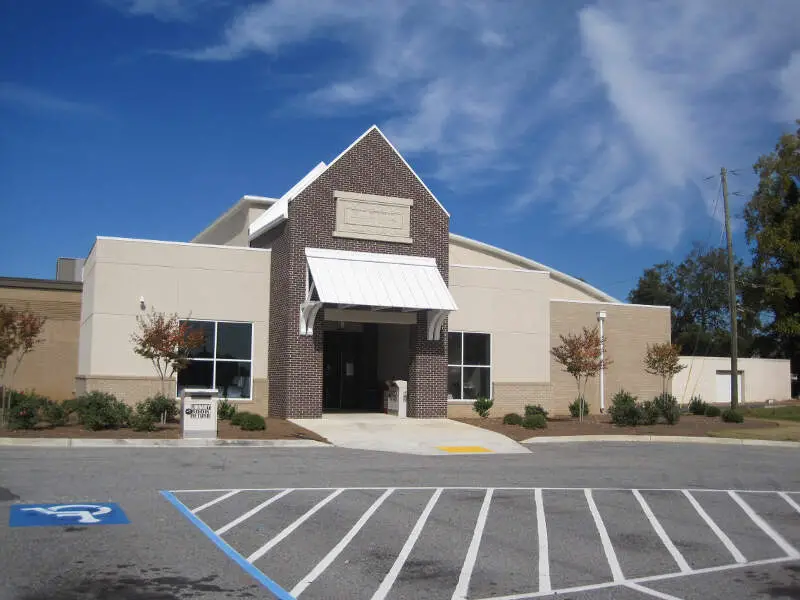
(737,556)
(286,532)
(389,580)
(215,500)
(337,549)
(650,592)
(790,550)
(673,550)
(251,512)
(611,556)
(791,502)
(541,534)
(460,593)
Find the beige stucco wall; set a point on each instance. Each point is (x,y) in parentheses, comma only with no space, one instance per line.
(51,367)
(463,254)
(513,306)
(762,378)
(231,228)
(196,281)
(628,330)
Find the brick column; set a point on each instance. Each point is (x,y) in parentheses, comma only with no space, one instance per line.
(427,372)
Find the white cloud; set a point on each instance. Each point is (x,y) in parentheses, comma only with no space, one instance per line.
(614,113)
(33,100)
(163,10)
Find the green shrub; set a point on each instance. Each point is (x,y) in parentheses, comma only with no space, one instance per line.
(225,410)
(697,406)
(668,408)
(713,411)
(482,406)
(624,409)
(99,410)
(730,415)
(160,408)
(649,412)
(512,419)
(142,418)
(25,409)
(251,422)
(575,407)
(54,413)
(535,409)
(236,418)
(536,421)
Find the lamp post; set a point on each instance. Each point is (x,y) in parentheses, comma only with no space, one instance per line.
(601,317)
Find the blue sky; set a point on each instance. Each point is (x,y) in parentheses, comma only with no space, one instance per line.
(579,134)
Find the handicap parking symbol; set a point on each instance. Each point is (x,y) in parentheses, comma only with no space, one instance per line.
(43,515)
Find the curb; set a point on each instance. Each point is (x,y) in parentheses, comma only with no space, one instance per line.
(145,443)
(666,439)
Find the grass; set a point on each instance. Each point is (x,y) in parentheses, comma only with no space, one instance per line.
(783,413)
(786,431)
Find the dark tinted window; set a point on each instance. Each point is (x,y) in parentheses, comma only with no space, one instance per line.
(233,379)
(198,374)
(234,340)
(476,349)
(207,329)
(454,348)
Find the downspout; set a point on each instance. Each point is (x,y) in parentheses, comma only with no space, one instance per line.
(601,317)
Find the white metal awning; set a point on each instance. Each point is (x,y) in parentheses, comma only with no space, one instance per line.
(379,281)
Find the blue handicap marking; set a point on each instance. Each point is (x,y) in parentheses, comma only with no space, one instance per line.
(42,515)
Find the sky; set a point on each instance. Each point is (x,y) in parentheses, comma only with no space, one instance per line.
(588,136)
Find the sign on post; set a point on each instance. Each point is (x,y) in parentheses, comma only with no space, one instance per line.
(199,413)
(43,515)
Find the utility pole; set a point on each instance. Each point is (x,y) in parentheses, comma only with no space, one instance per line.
(732,297)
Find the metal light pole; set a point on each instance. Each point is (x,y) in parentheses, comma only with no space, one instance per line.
(601,317)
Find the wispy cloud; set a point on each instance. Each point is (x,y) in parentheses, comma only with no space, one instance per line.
(164,10)
(29,99)
(613,113)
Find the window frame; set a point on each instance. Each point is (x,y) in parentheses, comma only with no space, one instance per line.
(214,360)
(461,366)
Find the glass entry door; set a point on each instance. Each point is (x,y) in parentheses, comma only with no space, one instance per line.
(343,372)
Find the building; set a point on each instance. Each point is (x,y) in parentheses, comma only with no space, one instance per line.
(310,302)
(759,379)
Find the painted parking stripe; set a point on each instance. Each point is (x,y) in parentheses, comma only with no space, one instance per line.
(251,512)
(791,502)
(673,550)
(391,576)
(215,501)
(337,550)
(737,556)
(288,531)
(240,560)
(462,586)
(541,534)
(650,592)
(790,550)
(608,548)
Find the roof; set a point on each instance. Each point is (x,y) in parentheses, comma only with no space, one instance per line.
(281,213)
(40,284)
(532,264)
(378,280)
(245,201)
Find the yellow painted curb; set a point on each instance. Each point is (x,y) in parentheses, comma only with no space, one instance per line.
(463,449)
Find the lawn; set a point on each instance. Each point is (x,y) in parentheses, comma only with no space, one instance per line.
(784,413)
(786,431)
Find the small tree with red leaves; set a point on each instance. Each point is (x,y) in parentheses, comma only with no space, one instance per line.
(166,342)
(663,360)
(20,332)
(579,355)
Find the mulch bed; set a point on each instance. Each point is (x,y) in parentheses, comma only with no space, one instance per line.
(277,429)
(689,425)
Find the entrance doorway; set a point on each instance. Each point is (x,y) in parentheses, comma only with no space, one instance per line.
(350,378)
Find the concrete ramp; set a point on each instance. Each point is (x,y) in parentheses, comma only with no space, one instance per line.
(408,436)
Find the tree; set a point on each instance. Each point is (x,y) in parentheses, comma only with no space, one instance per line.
(20,332)
(663,360)
(579,355)
(166,342)
(772,217)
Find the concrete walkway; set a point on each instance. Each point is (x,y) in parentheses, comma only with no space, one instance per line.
(378,431)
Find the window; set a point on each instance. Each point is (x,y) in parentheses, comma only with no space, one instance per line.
(469,371)
(224,361)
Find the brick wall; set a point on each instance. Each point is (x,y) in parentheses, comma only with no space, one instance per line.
(628,330)
(510,397)
(295,362)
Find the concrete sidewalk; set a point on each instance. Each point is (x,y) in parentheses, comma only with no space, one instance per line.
(376,431)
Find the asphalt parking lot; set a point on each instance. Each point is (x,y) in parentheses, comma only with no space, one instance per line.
(590,521)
